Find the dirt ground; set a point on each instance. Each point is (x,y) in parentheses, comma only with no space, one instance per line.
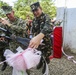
(56,67)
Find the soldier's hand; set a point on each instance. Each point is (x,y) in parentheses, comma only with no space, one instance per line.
(1,20)
(35,42)
(5,22)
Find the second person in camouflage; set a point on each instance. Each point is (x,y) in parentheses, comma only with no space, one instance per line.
(41,29)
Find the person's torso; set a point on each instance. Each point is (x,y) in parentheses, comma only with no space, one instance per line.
(20,24)
(16,22)
(38,25)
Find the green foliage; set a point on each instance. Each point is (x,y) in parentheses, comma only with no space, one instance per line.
(49,8)
(2,3)
(22,8)
(1,12)
(23,11)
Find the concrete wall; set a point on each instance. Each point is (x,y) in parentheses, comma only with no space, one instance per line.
(67,12)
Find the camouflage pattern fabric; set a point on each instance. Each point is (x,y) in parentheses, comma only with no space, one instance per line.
(43,25)
(19,28)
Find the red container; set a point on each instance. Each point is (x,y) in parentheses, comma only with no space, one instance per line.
(57,42)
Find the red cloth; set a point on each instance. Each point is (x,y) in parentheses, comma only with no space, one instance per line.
(57,43)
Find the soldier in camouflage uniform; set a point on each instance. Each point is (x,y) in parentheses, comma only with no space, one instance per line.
(15,25)
(41,29)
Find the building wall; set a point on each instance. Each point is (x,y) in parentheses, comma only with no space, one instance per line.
(66,11)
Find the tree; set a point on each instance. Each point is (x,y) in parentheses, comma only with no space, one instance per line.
(1,4)
(49,8)
(22,8)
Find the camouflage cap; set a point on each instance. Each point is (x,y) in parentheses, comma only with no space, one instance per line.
(7,9)
(34,6)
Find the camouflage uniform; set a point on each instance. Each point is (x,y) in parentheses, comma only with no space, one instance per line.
(43,25)
(19,28)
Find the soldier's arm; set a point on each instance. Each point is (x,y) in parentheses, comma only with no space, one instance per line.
(21,25)
(35,41)
(47,29)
